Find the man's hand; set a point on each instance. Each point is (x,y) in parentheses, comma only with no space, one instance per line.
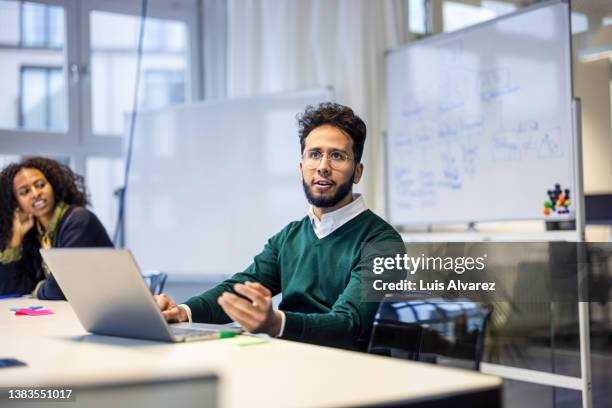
(22,223)
(256,315)
(170,310)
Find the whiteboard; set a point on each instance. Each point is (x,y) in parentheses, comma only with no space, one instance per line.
(479,121)
(212,181)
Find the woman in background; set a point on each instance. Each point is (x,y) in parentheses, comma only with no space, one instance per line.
(42,205)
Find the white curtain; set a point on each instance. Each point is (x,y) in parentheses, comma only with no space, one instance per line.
(283,45)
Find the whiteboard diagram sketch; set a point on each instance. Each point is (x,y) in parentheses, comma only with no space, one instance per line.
(479,122)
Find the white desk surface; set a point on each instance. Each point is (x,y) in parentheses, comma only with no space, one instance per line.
(279,373)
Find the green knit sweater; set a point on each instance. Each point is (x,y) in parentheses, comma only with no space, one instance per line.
(320,281)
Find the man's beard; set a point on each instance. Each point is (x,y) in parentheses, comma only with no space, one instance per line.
(326,202)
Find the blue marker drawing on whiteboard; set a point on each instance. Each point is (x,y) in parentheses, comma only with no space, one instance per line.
(493,125)
(495,83)
(410,106)
(470,156)
(550,144)
(426,193)
(528,125)
(450,172)
(505,148)
(447,130)
(403,181)
(414,190)
(424,133)
(473,122)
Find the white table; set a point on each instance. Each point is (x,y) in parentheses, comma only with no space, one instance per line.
(279,373)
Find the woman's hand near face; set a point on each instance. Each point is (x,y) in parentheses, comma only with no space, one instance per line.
(22,223)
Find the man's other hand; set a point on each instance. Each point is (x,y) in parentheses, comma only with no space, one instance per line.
(256,314)
(170,310)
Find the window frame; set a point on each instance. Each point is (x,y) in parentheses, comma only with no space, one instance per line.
(78,141)
(22,43)
(47,69)
(159,9)
(31,142)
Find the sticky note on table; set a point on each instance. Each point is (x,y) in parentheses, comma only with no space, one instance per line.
(14,309)
(30,312)
(246,340)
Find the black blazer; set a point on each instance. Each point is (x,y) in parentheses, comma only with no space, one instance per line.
(79,227)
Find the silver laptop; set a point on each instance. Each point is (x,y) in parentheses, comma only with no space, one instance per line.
(109,296)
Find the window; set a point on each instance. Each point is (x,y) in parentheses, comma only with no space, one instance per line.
(41,25)
(458,15)
(114,42)
(163,87)
(41,98)
(580,23)
(498,7)
(417,16)
(51,107)
(31,74)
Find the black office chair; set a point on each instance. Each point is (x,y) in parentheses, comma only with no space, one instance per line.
(155,281)
(435,330)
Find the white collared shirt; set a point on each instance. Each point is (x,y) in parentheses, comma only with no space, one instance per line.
(330,222)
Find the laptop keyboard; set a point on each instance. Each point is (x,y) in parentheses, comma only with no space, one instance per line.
(179,331)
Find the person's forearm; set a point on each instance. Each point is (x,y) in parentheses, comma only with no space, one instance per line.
(50,290)
(15,241)
(204,307)
(330,329)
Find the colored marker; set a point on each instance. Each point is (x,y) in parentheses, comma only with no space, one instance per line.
(11,295)
(227,334)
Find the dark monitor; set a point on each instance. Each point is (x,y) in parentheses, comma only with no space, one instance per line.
(598,209)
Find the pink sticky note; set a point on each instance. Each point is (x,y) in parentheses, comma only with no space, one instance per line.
(30,312)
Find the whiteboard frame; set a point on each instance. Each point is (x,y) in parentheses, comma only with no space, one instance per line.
(457,33)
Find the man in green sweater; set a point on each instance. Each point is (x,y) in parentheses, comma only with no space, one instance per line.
(315,262)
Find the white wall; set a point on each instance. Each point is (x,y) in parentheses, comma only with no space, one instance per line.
(592,86)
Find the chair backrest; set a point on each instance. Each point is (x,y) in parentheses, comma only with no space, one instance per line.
(155,281)
(435,330)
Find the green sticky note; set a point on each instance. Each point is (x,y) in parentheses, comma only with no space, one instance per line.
(246,340)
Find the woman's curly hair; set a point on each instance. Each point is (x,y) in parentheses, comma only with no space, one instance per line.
(68,187)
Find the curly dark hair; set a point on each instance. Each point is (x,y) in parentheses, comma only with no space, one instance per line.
(68,187)
(342,117)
